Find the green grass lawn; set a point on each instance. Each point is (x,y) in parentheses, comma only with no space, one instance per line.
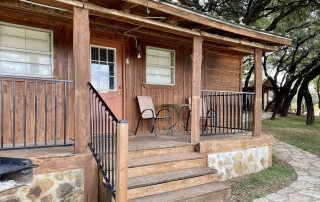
(293,130)
(257,185)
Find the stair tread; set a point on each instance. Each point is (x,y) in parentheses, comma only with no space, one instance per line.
(176,175)
(143,161)
(185,193)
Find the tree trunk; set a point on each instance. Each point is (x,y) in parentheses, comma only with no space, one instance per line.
(287,101)
(246,83)
(310,109)
(299,102)
(277,105)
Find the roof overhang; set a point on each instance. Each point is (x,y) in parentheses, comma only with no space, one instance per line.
(262,41)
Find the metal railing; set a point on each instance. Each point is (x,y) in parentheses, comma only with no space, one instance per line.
(34,112)
(226,112)
(103,138)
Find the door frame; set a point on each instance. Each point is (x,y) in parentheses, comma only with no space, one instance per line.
(94,40)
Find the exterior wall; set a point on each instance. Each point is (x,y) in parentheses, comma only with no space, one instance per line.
(219,71)
(62,70)
(241,162)
(65,186)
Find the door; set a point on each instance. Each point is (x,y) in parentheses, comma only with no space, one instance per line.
(107,74)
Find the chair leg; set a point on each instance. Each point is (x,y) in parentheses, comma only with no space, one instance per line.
(170,128)
(137,126)
(154,127)
(188,117)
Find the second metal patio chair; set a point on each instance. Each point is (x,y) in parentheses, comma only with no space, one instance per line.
(206,115)
(148,112)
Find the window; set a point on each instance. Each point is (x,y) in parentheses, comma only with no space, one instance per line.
(160,66)
(25,51)
(103,68)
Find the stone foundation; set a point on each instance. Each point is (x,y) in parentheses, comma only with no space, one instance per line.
(66,186)
(238,163)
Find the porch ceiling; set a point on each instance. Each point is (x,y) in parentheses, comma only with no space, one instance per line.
(181,22)
(186,17)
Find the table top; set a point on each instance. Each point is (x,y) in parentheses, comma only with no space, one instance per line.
(176,105)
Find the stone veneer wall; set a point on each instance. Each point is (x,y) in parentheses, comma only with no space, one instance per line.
(238,163)
(65,186)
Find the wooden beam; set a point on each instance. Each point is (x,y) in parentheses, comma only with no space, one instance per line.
(257,113)
(149,23)
(215,23)
(196,89)
(233,42)
(81,58)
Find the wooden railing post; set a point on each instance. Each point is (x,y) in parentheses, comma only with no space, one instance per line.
(122,161)
(257,113)
(196,89)
(81,62)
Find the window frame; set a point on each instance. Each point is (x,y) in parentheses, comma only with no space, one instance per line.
(173,68)
(51,53)
(115,69)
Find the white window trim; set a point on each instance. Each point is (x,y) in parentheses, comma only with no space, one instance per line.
(115,68)
(171,67)
(31,51)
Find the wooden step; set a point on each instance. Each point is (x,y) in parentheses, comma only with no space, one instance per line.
(162,151)
(164,163)
(169,181)
(210,192)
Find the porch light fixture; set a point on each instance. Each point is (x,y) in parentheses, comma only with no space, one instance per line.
(138,51)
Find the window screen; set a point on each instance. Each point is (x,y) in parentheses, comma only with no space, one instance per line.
(25,51)
(160,66)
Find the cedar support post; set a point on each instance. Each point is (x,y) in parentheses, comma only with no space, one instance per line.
(196,89)
(257,113)
(81,58)
(122,160)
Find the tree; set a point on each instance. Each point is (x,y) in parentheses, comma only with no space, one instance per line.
(289,67)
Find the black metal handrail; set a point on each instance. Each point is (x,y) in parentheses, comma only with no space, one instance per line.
(34,112)
(103,137)
(227,112)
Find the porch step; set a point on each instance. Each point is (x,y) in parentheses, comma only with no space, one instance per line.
(163,163)
(138,153)
(210,192)
(169,181)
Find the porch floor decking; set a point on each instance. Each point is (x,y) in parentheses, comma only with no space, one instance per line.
(136,142)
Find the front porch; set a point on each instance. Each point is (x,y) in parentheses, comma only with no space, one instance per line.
(228,155)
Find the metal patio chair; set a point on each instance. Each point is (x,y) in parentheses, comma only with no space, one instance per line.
(204,114)
(148,112)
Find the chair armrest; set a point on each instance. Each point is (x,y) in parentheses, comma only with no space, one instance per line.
(148,110)
(163,110)
(212,112)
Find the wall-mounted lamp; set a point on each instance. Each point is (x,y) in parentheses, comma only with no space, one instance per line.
(137,51)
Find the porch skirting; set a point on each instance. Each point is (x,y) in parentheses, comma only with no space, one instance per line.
(233,158)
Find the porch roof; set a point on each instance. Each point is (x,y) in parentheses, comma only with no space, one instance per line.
(180,21)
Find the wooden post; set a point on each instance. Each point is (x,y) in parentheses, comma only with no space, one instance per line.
(81,58)
(196,89)
(122,161)
(257,113)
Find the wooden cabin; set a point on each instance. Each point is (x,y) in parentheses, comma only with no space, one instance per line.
(50,50)
(268,93)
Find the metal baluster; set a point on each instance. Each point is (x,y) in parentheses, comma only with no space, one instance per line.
(2,108)
(25,112)
(14,113)
(35,112)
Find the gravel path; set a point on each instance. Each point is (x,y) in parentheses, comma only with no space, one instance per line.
(307,166)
